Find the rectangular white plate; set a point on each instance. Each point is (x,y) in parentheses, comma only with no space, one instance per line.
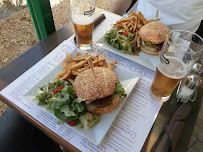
(146,60)
(96,133)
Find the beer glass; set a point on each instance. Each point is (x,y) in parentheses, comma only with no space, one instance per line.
(82,15)
(180,51)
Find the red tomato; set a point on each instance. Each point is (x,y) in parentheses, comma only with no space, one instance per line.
(125,34)
(59,88)
(71,123)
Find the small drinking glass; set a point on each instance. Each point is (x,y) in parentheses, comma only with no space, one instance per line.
(82,16)
(179,53)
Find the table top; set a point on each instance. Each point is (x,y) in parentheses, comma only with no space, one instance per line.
(18,66)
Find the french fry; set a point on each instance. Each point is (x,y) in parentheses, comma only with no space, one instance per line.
(135,39)
(151,20)
(135,25)
(65,65)
(142,18)
(66,75)
(94,57)
(70,80)
(113,63)
(123,20)
(83,69)
(110,67)
(69,57)
(78,65)
(118,26)
(76,73)
(129,25)
(86,65)
(100,64)
(102,55)
(125,27)
(72,67)
(81,57)
(61,74)
(105,64)
(99,60)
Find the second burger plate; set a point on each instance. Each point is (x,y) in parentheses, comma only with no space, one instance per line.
(144,59)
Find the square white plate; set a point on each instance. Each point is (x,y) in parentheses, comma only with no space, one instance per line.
(96,133)
(146,60)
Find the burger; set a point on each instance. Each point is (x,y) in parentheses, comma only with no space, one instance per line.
(153,35)
(99,88)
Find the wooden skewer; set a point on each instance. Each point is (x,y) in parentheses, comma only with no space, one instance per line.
(157,12)
(89,59)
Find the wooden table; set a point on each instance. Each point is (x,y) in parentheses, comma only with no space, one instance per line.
(17,67)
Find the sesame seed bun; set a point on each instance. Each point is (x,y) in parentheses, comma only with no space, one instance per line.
(154,32)
(90,87)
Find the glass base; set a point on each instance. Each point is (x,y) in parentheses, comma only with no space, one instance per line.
(158,98)
(85,47)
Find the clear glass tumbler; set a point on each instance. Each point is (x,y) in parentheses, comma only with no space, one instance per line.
(82,16)
(180,51)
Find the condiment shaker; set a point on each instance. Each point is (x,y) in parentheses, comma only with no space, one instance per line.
(187,88)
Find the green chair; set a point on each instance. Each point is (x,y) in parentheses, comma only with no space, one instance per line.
(42,17)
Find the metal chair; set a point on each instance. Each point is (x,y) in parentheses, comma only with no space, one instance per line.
(42,17)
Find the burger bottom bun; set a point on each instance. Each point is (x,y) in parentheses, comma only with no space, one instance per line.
(108,108)
(150,52)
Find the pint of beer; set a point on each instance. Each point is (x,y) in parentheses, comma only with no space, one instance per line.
(82,15)
(177,57)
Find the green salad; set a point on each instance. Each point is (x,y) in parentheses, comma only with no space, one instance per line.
(60,97)
(121,40)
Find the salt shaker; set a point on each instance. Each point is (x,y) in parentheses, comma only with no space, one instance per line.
(188,87)
(197,69)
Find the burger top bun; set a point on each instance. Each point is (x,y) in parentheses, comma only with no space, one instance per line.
(89,86)
(154,32)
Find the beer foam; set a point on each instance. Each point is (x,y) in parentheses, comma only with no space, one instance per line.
(78,14)
(176,69)
(82,19)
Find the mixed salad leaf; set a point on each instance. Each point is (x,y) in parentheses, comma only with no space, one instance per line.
(121,40)
(60,97)
(119,89)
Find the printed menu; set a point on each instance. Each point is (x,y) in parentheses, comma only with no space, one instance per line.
(131,126)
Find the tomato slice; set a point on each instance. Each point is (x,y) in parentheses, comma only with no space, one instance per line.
(71,123)
(125,34)
(59,88)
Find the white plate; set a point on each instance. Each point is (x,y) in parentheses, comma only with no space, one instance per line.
(146,60)
(96,133)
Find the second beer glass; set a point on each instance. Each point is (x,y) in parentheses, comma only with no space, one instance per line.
(82,15)
(178,55)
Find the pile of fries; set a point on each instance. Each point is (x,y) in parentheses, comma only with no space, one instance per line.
(132,24)
(72,67)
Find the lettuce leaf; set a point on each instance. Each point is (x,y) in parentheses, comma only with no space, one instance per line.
(119,89)
(119,41)
(88,120)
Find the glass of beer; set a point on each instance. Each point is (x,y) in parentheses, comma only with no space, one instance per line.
(180,51)
(82,15)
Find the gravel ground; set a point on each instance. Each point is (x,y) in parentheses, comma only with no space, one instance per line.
(17,32)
